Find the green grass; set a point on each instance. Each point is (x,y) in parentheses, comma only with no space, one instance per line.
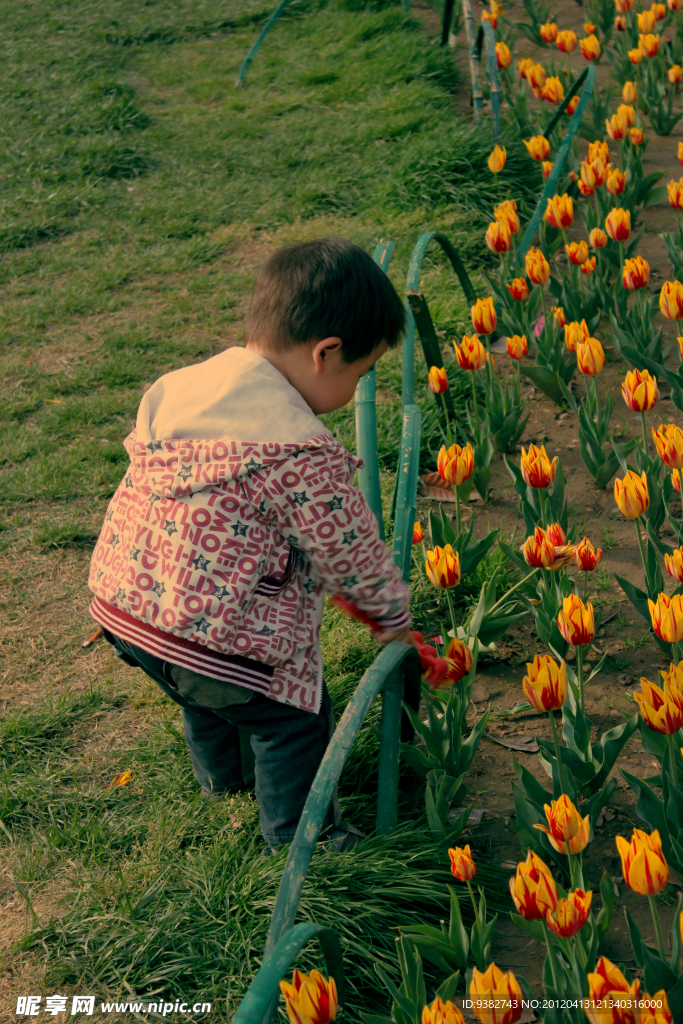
(140,194)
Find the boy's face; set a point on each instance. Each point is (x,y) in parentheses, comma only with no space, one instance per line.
(318,372)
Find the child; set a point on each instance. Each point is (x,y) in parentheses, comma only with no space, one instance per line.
(237,511)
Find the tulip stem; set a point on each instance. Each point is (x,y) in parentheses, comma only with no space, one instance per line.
(457,510)
(511,590)
(642,419)
(676,653)
(558,754)
(475,407)
(642,555)
(452,611)
(658,928)
(579,666)
(551,956)
(585,586)
(474,904)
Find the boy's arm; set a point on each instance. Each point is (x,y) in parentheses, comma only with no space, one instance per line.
(320,513)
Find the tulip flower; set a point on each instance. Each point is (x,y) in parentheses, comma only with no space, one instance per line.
(545,684)
(586,558)
(566,829)
(643,863)
(669,444)
(618,224)
(639,390)
(460,662)
(571,914)
(648,45)
(506,212)
(443,567)
(590,356)
(636,136)
(536,76)
(462,863)
(549,32)
(594,172)
(503,55)
(524,66)
(496,997)
(575,621)
(455,464)
(566,41)
(547,168)
(623,6)
(680,153)
(538,551)
(310,998)
(556,535)
(657,1012)
(617,127)
(471,354)
(589,266)
(676,480)
(442,1013)
(553,91)
(629,93)
(418,534)
(438,381)
(671,300)
(533,888)
(666,616)
(635,56)
(646,21)
(497,159)
(674,564)
(490,16)
(560,211)
(572,105)
(484,318)
(615,182)
(636,273)
(659,11)
(611,1000)
(675,5)
(590,47)
(558,316)
(538,146)
(537,266)
(597,239)
(675,189)
(620,23)
(577,252)
(519,289)
(575,333)
(517,346)
(598,150)
(537,469)
(658,711)
(631,495)
(498,239)
(675,73)
(628,112)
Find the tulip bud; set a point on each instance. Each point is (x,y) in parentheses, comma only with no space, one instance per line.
(648,45)
(635,56)
(636,136)
(498,239)
(675,73)
(618,224)
(671,300)
(589,28)
(547,168)
(503,56)
(577,252)
(536,76)
(590,356)
(533,888)
(497,159)
(639,390)
(615,182)
(536,265)
(636,273)
(558,316)
(590,47)
(631,495)
(484,318)
(675,190)
(462,863)
(471,354)
(519,289)
(460,662)
(575,334)
(643,863)
(538,146)
(517,346)
(680,153)
(566,41)
(560,211)
(418,535)
(676,480)
(571,914)
(674,564)
(620,23)
(538,551)
(443,567)
(496,997)
(438,1013)
(553,91)
(438,381)
(666,615)
(586,558)
(629,93)
(545,684)
(659,11)
(310,997)
(537,469)
(456,464)
(549,32)
(589,266)
(617,126)
(490,16)
(576,622)
(669,444)
(628,112)
(563,819)
(646,21)
(524,66)
(556,535)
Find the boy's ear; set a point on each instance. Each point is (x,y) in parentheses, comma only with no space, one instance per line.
(323,349)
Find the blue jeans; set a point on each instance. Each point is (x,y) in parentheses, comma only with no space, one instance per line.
(284,749)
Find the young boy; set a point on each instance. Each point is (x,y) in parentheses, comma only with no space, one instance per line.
(236,513)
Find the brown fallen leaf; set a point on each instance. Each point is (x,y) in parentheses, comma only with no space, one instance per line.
(527,744)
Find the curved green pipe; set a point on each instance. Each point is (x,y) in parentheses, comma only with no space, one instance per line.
(265,986)
(239,81)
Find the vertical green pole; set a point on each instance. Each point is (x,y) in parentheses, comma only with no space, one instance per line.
(387,789)
(494,79)
(366,446)
(471,32)
(406,492)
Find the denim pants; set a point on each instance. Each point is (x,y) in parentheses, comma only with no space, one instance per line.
(251,739)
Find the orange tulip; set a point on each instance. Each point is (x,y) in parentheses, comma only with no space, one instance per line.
(631,495)
(586,557)
(590,356)
(538,146)
(497,159)
(680,153)
(442,1013)
(648,45)
(462,863)
(666,616)
(556,535)
(669,444)
(549,32)
(675,189)
(471,354)
(659,11)
(460,662)
(611,1000)
(629,93)
(455,464)
(418,534)
(537,266)
(618,224)
(589,266)
(671,300)
(674,563)
(675,5)
(636,273)
(566,41)
(635,56)
(676,480)
(646,21)
(538,551)
(545,684)
(576,622)
(636,136)
(590,47)
(492,17)
(615,182)
(517,346)
(533,888)
(498,239)
(639,390)
(506,212)
(484,318)
(575,333)
(537,469)
(597,238)
(536,76)
(519,289)
(553,91)
(547,168)
(524,66)
(658,710)
(643,863)
(572,105)
(571,914)
(503,56)
(496,997)
(577,252)
(438,381)
(443,567)
(558,316)
(560,211)
(623,6)
(589,28)
(310,998)
(675,73)
(628,112)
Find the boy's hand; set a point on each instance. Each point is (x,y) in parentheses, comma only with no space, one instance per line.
(405,636)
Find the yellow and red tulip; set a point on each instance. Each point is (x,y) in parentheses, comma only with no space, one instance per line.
(623,6)
(636,273)
(533,888)
(586,558)
(538,146)
(671,300)
(575,333)
(538,551)
(566,829)
(620,23)
(519,289)
(636,136)
(537,266)
(547,168)
(669,444)
(635,56)
(570,914)
(666,615)
(471,354)
(660,709)
(655,1009)
(455,464)
(524,66)
(659,11)
(577,252)
(617,127)
(629,93)
(643,863)
(442,1013)
(615,183)
(537,469)
(438,381)
(556,535)
(648,44)
(503,56)
(517,346)
(549,32)
(639,390)
(611,1000)
(418,533)
(497,159)
(558,316)
(498,239)
(631,495)
(590,47)
(545,684)
(675,190)
(590,355)
(589,266)
(628,112)
(597,239)
(484,317)
(618,224)
(674,564)
(536,76)
(646,21)
(506,212)
(599,150)
(496,997)
(462,863)
(575,621)
(566,41)
(553,91)
(310,998)
(676,480)
(443,567)
(460,662)
(560,211)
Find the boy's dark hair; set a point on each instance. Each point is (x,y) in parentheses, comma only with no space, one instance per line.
(329,288)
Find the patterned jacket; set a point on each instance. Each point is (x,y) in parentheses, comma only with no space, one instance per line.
(215,553)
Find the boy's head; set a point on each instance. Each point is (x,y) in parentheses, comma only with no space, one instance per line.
(323,313)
